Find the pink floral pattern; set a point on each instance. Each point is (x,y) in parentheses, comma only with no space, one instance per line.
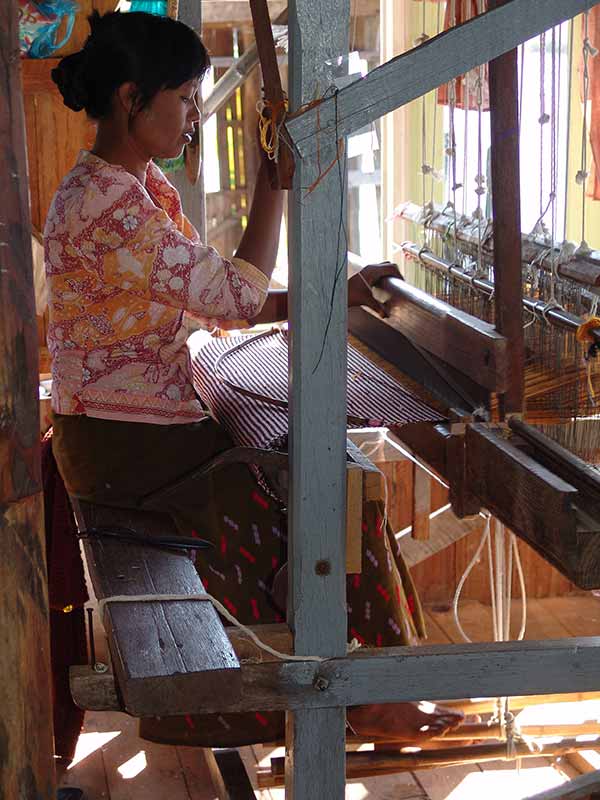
(124,265)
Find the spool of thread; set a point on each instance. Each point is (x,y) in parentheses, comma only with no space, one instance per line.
(380,295)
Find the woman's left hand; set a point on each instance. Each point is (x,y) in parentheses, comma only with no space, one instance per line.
(361,284)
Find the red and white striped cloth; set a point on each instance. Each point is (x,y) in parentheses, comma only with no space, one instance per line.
(261,366)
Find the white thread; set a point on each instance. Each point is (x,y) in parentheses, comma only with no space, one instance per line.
(160,598)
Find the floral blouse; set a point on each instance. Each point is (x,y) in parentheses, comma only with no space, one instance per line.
(123,266)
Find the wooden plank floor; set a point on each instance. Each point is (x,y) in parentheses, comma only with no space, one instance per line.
(112,763)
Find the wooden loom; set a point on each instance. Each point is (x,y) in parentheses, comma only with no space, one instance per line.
(314,693)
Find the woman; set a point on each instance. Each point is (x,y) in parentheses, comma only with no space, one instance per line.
(125,267)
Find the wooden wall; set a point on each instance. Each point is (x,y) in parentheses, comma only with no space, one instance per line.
(55,134)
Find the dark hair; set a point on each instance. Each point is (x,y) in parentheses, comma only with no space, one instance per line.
(152,52)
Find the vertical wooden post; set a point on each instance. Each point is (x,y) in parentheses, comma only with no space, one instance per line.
(506,201)
(315,765)
(26,748)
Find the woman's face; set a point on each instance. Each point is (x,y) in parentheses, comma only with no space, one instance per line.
(167,123)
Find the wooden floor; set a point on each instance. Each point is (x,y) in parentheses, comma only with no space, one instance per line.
(113,764)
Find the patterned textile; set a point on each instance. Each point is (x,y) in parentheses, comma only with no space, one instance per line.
(118,462)
(123,265)
(261,365)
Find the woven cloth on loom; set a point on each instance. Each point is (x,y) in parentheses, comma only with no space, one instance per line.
(261,366)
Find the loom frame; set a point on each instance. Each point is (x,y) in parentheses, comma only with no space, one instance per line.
(315,760)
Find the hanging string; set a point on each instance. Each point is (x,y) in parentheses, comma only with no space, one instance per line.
(582,175)
(451,151)
(270,125)
(351,647)
(426,168)
(435,174)
(543,119)
(480,177)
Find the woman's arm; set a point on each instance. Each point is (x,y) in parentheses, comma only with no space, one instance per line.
(260,241)
(275,308)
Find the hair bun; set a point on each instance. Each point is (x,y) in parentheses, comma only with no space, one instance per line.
(70,79)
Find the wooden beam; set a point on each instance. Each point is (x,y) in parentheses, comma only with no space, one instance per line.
(428,66)
(528,498)
(368,764)
(399,674)
(161,651)
(318,325)
(282,170)
(228,774)
(26,741)
(459,339)
(442,385)
(506,203)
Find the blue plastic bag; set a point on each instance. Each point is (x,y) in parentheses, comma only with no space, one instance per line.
(39,23)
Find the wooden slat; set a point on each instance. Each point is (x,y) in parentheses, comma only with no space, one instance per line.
(421,503)
(163,652)
(398,674)
(459,339)
(281,171)
(414,370)
(424,68)
(506,197)
(528,498)
(354,516)
(229,775)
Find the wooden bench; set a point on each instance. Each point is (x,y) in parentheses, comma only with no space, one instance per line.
(164,653)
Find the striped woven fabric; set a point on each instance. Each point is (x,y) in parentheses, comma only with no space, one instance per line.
(261,366)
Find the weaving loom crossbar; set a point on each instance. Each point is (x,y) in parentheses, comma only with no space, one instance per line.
(262,366)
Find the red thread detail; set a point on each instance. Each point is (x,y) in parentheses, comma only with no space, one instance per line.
(189,722)
(411,603)
(223,544)
(254,606)
(229,605)
(247,555)
(383,592)
(356,581)
(357,635)
(378,525)
(379,640)
(195,534)
(259,500)
(274,562)
(263,720)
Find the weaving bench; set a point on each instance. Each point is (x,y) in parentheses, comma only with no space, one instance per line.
(164,653)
